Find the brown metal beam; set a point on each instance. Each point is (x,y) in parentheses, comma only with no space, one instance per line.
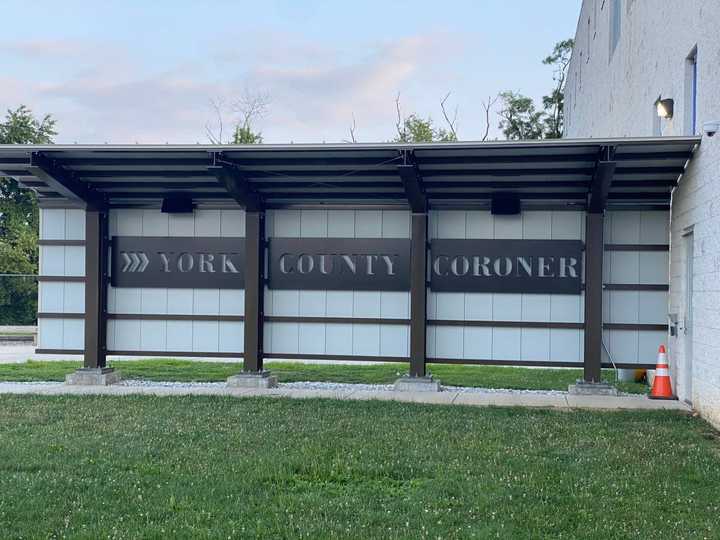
(594,249)
(254,290)
(96,270)
(602,179)
(418,294)
(412,183)
(593,296)
(64,181)
(236,184)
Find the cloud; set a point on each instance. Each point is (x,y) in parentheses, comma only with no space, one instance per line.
(314,89)
(319,98)
(44,49)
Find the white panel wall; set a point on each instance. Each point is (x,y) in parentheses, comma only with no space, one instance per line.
(61,296)
(497,343)
(187,335)
(337,339)
(635,267)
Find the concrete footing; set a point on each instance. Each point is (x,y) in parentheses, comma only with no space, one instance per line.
(584,388)
(260,379)
(417,384)
(93,377)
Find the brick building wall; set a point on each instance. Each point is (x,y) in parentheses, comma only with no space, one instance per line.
(627,53)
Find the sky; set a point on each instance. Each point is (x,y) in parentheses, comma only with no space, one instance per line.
(149,71)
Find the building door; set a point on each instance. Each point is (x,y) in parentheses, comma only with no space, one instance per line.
(688,331)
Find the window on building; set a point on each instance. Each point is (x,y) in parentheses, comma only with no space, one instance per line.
(615,24)
(691,92)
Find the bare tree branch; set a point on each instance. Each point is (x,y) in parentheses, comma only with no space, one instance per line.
(487,105)
(216,138)
(399,124)
(241,113)
(250,106)
(352,128)
(451,123)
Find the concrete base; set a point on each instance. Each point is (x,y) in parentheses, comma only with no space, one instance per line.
(93,377)
(407,383)
(583,388)
(260,379)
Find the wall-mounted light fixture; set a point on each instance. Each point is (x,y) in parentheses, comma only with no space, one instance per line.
(177,204)
(504,204)
(664,107)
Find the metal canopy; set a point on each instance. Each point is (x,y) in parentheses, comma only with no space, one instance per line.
(542,173)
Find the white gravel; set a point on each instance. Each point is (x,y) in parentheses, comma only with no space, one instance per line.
(309,385)
(170,384)
(337,387)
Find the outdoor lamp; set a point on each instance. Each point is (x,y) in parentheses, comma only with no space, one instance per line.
(665,107)
(177,204)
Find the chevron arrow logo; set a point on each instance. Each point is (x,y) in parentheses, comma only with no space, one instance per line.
(134,261)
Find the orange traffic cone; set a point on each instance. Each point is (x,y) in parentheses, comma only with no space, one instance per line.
(662,389)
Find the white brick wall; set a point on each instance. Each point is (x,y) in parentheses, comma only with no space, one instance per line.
(613,96)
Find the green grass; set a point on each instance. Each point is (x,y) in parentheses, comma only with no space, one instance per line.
(163,369)
(220,467)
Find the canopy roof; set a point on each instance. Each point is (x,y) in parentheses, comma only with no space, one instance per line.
(633,172)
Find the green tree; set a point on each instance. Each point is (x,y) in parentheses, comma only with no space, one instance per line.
(519,117)
(19,222)
(246,110)
(554,103)
(414,129)
(419,130)
(244,134)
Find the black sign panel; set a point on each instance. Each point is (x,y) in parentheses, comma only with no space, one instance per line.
(506,266)
(200,263)
(360,264)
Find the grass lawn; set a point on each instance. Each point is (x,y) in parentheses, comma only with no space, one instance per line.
(161,369)
(142,466)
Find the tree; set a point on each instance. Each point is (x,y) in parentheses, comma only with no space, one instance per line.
(19,222)
(519,118)
(554,103)
(246,110)
(414,129)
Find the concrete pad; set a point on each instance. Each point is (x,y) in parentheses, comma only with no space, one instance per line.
(93,377)
(592,389)
(262,379)
(407,383)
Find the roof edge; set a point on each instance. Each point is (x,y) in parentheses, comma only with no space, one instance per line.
(544,143)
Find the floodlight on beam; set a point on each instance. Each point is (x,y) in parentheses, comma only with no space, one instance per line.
(665,107)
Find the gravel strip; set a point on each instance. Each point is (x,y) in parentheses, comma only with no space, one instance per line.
(309,385)
(34,383)
(170,384)
(349,387)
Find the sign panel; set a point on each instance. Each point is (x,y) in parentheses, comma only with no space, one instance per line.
(506,266)
(180,262)
(360,264)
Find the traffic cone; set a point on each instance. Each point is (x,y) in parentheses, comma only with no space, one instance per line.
(661,388)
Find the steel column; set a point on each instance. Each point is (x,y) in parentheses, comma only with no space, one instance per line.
(254,290)
(594,248)
(96,271)
(418,295)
